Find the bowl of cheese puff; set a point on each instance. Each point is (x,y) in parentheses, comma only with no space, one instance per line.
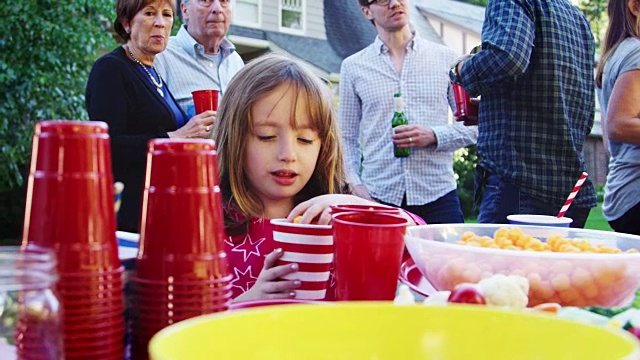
(572,267)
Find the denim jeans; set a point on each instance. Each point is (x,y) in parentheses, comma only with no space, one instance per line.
(445,210)
(497,199)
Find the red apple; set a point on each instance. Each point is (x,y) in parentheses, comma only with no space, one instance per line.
(635,331)
(466,293)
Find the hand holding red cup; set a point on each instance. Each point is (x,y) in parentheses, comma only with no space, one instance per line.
(204,100)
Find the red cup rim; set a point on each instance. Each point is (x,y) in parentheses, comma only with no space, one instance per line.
(286,223)
(70,127)
(119,321)
(399,221)
(173,145)
(259,303)
(90,274)
(135,278)
(162,293)
(204,91)
(363,208)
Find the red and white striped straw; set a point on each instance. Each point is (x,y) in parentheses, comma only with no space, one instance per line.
(573,194)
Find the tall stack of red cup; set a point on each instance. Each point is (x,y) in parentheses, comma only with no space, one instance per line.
(70,210)
(181,268)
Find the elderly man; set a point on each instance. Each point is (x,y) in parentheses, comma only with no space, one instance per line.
(199,57)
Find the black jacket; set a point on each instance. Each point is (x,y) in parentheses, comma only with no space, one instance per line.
(119,94)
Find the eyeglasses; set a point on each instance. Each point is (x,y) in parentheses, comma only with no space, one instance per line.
(208,3)
(381,2)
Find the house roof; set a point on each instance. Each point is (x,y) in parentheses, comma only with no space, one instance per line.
(422,25)
(315,51)
(347,31)
(464,15)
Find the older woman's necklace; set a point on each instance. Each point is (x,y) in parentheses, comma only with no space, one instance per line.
(155,82)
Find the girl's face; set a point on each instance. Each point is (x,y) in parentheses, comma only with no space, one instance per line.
(280,159)
(150,28)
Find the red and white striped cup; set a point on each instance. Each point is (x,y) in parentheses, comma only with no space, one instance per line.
(311,247)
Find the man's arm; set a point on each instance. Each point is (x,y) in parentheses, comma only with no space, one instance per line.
(507,42)
(350,115)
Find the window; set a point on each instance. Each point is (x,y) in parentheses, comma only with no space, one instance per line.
(247,12)
(292,15)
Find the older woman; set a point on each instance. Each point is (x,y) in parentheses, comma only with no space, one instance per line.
(618,80)
(125,91)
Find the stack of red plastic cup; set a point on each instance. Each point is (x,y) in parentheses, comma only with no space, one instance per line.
(70,210)
(181,268)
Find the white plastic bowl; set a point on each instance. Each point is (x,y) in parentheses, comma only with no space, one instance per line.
(576,279)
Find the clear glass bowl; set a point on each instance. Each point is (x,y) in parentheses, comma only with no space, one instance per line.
(30,315)
(570,279)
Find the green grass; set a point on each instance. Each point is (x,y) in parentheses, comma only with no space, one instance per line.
(596,220)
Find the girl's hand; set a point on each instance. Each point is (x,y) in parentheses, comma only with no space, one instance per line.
(269,284)
(198,127)
(318,211)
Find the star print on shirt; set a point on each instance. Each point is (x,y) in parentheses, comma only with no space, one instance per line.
(243,277)
(248,247)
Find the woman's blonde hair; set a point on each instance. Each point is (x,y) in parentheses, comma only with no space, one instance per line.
(234,124)
(622,24)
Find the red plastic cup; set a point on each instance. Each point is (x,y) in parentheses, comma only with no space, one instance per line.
(368,254)
(182,228)
(204,100)
(467,112)
(70,186)
(337,209)
(305,244)
(158,291)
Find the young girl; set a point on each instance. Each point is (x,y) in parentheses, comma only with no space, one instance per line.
(279,156)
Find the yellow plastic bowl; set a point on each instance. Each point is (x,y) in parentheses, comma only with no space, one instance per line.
(384,331)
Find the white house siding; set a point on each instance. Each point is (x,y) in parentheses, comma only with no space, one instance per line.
(460,40)
(315,19)
(270,15)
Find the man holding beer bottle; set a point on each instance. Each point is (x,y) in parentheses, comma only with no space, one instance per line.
(400,61)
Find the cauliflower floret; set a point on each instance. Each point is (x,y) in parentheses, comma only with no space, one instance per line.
(506,291)
(404,297)
(440,298)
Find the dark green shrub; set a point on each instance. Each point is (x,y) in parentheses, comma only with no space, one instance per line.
(464,166)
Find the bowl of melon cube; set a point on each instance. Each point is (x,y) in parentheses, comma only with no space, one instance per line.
(572,267)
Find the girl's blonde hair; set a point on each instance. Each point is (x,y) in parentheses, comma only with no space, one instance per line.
(622,24)
(234,124)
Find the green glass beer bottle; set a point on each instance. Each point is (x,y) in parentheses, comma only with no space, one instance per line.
(399,118)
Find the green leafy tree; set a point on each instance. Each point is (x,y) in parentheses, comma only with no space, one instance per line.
(47,49)
(475,2)
(596,12)
(46,52)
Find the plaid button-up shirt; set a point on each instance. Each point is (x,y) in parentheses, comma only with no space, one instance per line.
(535,75)
(368,82)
